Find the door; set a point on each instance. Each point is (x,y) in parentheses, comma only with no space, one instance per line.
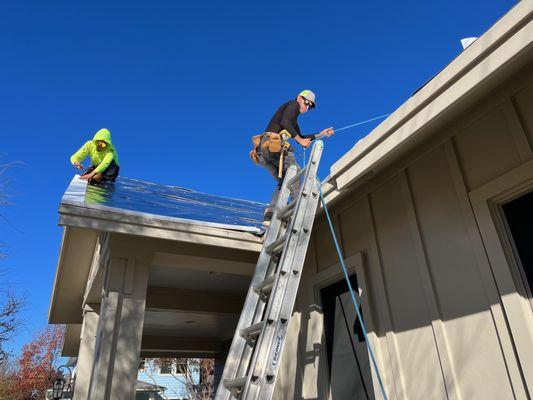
(348,360)
(519,217)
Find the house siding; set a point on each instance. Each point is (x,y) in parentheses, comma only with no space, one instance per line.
(175,389)
(438,318)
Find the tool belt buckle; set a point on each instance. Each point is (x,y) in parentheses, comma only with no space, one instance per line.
(285,136)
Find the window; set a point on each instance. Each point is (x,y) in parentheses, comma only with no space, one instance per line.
(165,368)
(181,368)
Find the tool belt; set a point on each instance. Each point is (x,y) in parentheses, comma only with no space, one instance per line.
(275,143)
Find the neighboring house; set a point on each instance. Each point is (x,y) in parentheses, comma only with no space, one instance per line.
(174,382)
(433,213)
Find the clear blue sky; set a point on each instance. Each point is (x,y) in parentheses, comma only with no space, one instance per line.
(183,86)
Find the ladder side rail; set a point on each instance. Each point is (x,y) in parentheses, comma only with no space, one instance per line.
(266,338)
(238,346)
(249,349)
(269,336)
(262,300)
(298,175)
(276,349)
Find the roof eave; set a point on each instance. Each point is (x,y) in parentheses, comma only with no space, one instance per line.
(77,248)
(82,227)
(120,221)
(510,38)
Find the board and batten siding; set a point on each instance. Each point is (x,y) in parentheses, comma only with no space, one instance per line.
(444,312)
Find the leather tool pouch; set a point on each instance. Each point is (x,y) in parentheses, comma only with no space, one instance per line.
(256,141)
(273,143)
(254,157)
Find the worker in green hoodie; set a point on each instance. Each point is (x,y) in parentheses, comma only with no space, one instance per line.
(104,158)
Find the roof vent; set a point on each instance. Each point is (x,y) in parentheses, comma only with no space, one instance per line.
(467,41)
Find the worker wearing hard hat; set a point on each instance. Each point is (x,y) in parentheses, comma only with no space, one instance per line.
(269,146)
(104,158)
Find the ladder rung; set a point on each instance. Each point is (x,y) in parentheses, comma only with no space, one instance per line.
(287,210)
(252,331)
(235,383)
(277,244)
(266,285)
(296,177)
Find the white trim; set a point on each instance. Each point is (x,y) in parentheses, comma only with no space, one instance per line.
(157,227)
(486,201)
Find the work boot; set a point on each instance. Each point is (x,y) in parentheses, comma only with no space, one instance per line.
(267,217)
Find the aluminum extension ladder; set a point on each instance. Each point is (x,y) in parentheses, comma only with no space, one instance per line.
(255,354)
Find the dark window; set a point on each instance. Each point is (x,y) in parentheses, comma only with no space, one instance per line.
(165,368)
(519,215)
(348,362)
(181,368)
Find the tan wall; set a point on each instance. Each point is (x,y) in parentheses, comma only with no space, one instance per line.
(445,314)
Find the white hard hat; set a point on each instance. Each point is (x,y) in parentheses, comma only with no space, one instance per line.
(308,95)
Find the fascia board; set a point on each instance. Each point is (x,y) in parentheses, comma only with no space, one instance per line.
(83,208)
(141,224)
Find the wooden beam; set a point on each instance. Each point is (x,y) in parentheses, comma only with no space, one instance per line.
(71,340)
(176,354)
(161,298)
(173,260)
(95,280)
(177,344)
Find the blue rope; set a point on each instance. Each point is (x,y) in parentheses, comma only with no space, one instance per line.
(354,300)
(361,122)
(366,121)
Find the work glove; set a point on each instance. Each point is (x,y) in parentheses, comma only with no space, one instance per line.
(326,132)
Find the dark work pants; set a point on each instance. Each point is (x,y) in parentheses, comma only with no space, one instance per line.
(271,162)
(108,175)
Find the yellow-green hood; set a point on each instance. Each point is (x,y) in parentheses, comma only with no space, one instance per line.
(103,134)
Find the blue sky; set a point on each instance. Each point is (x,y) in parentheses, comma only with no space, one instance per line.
(184,85)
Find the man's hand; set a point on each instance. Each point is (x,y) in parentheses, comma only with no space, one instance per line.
(77,165)
(327,132)
(304,142)
(88,176)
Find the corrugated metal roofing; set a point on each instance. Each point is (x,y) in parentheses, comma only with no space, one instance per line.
(132,196)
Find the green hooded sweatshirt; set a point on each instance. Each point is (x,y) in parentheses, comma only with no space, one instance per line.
(100,159)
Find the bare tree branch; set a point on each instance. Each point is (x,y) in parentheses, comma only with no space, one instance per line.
(11,306)
(9,321)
